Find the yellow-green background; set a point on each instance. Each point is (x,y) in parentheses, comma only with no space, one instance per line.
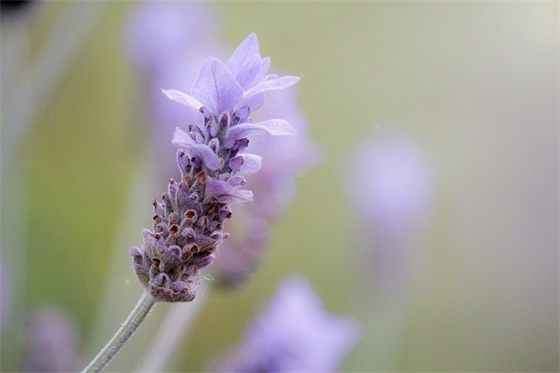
(475,83)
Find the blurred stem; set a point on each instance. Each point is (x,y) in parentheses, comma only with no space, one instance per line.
(127,329)
(174,327)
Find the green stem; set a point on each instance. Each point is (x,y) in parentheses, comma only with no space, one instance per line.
(138,314)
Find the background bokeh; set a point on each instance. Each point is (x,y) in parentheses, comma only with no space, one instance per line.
(474,84)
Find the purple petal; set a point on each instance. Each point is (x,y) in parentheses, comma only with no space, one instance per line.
(217,88)
(254,102)
(277,83)
(247,50)
(185,141)
(226,193)
(183,98)
(251,163)
(253,72)
(236,163)
(275,127)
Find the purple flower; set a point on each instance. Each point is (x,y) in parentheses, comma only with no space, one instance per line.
(283,158)
(391,189)
(294,334)
(222,99)
(189,222)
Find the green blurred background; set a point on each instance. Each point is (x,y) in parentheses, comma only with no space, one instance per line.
(476,84)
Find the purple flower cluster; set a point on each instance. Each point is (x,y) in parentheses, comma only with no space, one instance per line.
(189,222)
(165,42)
(294,334)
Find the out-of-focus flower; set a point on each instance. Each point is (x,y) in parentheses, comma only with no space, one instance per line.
(294,334)
(167,42)
(273,186)
(391,189)
(52,342)
(188,223)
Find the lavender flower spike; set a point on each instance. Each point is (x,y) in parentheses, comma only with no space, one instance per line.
(189,222)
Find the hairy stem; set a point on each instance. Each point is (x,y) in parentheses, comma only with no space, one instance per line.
(175,326)
(127,329)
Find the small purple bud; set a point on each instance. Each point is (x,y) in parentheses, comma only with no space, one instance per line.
(197,136)
(225,213)
(183,197)
(179,287)
(183,162)
(209,260)
(214,144)
(188,233)
(237,180)
(161,280)
(159,209)
(235,164)
(242,144)
(241,114)
(172,187)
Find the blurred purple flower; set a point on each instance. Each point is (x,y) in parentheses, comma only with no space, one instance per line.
(167,42)
(188,223)
(52,342)
(392,190)
(294,334)
(273,186)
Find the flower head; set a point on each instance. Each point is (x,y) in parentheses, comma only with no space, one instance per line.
(222,100)
(294,334)
(188,223)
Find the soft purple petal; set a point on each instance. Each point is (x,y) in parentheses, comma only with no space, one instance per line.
(182,98)
(253,72)
(251,163)
(216,88)
(226,193)
(246,51)
(275,127)
(183,140)
(254,102)
(268,85)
